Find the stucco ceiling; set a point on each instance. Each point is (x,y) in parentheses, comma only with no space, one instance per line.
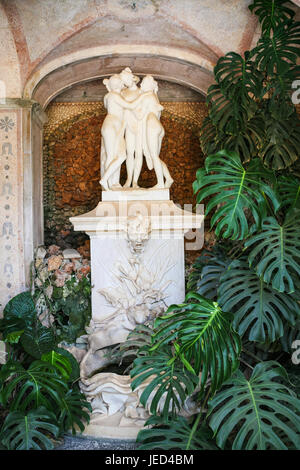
(39,36)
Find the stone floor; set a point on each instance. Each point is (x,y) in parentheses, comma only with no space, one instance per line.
(86,443)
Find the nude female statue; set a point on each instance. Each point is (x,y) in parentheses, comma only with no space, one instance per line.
(130,92)
(152,133)
(113,129)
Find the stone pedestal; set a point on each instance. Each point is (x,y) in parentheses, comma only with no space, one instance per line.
(137,266)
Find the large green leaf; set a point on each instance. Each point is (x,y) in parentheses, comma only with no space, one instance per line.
(280,148)
(73,411)
(233,189)
(246,142)
(18,314)
(232,99)
(75,372)
(275,251)
(275,54)
(60,362)
(136,344)
(205,337)
(39,385)
(272,13)
(37,340)
(171,381)
(205,276)
(289,191)
(259,311)
(178,434)
(29,431)
(21,306)
(258,414)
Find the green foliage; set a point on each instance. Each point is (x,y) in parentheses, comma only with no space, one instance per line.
(18,314)
(44,386)
(289,191)
(60,362)
(207,271)
(250,107)
(275,251)
(73,411)
(290,334)
(37,340)
(39,385)
(170,381)
(235,76)
(272,13)
(177,435)
(136,344)
(29,431)
(260,413)
(280,147)
(21,306)
(72,312)
(233,188)
(259,311)
(204,337)
(75,370)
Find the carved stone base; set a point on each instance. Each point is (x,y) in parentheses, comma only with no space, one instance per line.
(110,428)
(137,267)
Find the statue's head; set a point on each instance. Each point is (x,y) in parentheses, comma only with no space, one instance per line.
(114,83)
(149,84)
(128,78)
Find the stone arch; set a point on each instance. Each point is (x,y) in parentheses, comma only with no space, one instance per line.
(185,68)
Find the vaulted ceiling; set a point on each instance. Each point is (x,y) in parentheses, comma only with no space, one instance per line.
(39,37)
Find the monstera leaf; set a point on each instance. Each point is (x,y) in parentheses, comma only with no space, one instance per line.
(262,412)
(259,311)
(237,77)
(289,191)
(280,148)
(245,143)
(210,137)
(29,431)
(233,189)
(73,411)
(275,54)
(59,361)
(275,252)
(204,336)
(177,435)
(170,381)
(39,385)
(231,100)
(206,273)
(75,370)
(272,13)
(136,344)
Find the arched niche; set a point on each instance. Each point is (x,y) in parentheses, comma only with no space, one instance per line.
(183,72)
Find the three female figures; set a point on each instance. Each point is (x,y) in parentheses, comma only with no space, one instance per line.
(131,130)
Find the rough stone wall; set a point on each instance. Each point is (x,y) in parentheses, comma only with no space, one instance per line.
(72,162)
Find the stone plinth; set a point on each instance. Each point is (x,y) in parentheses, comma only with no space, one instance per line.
(137,267)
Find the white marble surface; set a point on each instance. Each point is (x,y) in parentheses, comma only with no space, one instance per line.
(131,194)
(164,260)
